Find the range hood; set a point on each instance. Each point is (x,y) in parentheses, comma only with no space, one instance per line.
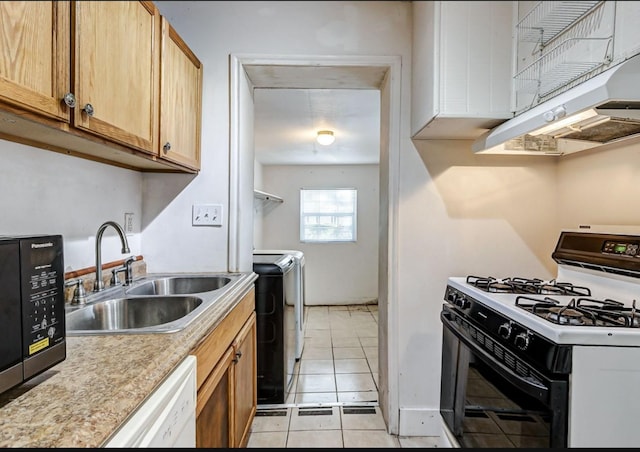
(602,110)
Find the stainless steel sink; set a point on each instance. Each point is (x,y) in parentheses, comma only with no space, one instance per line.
(179,285)
(132,313)
(155,303)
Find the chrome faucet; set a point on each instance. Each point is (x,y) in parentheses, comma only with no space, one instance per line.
(99,284)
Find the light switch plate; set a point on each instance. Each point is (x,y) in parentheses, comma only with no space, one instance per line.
(207,215)
(128,222)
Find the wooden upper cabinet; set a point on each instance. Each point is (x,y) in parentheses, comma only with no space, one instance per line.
(34,56)
(116,71)
(180,100)
(84,78)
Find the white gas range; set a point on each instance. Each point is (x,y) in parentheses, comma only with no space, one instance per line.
(559,359)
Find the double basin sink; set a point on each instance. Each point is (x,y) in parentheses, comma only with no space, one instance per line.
(151,304)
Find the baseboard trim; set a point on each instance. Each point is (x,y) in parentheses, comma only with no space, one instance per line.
(420,422)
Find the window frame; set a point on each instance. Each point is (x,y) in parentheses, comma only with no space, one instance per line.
(353,215)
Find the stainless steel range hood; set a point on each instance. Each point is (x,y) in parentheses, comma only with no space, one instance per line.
(602,110)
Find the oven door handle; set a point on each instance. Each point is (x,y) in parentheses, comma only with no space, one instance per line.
(538,391)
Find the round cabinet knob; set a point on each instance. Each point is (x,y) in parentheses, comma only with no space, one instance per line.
(167,147)
(504,330)
(88,109)
(70,100)
(522,341)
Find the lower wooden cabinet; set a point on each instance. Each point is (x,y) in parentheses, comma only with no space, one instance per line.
(245,384)
(227,386)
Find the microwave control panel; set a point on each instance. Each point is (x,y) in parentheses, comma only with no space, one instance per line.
(42,275)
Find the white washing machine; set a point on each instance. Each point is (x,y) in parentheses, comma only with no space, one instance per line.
(299,300)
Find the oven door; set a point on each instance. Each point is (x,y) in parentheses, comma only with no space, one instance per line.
(489,398)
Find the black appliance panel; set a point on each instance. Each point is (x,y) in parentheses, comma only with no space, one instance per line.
(275,352)
(10,315)
(609,253)
(32,326)
(491,398)
(42,288)
(547,357)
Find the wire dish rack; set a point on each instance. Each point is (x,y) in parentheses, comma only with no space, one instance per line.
(572,39)
(563,64)
(550,18)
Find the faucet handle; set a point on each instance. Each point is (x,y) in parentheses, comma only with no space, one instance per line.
(79,294)
(128,270)
(114,276)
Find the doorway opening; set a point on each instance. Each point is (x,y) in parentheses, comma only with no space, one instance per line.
(330,214)
(360,72)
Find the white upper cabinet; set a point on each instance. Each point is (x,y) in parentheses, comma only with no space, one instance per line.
(461,68)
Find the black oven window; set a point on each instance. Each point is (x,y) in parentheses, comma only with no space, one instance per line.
(499,415)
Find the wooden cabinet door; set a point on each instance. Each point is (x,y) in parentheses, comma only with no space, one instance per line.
(34,56)
(245,375)
(116,71)
(180,100)
(214,409)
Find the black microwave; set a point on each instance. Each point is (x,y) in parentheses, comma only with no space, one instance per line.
(32,315)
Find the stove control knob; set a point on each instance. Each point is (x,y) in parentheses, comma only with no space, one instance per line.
(522,340)
(505,329)
(462,302)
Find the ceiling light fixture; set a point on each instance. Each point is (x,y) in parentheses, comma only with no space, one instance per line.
(325,137)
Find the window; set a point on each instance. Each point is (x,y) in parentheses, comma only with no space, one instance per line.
(328,215)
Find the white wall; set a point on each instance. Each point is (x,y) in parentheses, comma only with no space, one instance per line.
(462,214)
(214,30)
(260,209)
(44,192)
(336,273)
(600,187)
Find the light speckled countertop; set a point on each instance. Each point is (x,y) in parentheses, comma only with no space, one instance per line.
(82,401)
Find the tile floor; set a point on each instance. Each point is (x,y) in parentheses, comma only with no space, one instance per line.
(333,401)
(340,357)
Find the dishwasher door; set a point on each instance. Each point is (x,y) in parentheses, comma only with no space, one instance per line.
(168,417)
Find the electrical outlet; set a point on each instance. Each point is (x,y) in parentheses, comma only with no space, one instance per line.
(207,215)
(128,222)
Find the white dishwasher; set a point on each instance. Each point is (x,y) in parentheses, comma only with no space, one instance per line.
(168,417)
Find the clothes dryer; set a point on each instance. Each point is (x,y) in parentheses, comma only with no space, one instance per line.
(300,295)
(275,326)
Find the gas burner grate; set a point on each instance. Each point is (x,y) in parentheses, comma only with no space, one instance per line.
(518,285)
(582,311)
(611,311)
